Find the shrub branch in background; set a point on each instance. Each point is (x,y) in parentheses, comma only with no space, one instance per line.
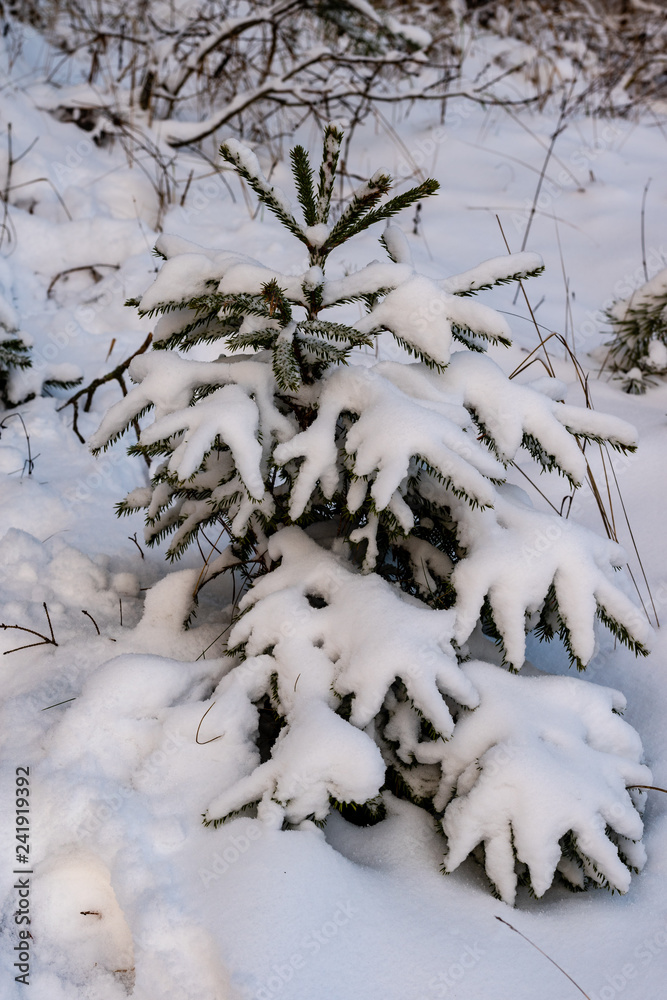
(393,571)
(261,68)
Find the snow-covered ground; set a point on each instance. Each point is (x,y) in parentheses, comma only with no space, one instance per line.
(128,891)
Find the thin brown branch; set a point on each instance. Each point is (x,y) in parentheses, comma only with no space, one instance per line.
(89,390)
(44,639)
(92,620)
(133,538)
(206,649)
(643,227)
(56,705)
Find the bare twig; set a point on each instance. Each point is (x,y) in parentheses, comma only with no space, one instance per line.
(207,560)
(65,702)
(204,651)
(89,390)
(43,180)
(643,230)
(44,639)
(133,538)
(71,270)
(92,620)
(4,228)
(548,364)
(560,127)
(634,545)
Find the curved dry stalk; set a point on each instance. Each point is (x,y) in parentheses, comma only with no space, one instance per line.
(30,461)
(92,620)
(81,267)
(214,738)
(560,969)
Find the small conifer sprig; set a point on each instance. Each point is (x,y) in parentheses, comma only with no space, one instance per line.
(362,211)
(637,352)
(15,357)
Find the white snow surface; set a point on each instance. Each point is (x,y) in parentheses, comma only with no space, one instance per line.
(129,893)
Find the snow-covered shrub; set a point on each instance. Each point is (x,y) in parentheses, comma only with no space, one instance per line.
(199,66)
(603,52)
(638,349)
(14,352)
(19,381)
(365,505)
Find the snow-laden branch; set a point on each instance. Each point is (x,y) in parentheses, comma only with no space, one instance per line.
(332,633)
(539,773)
(230,28)
(238,413)
(511,415)
(393,429)
(272,88)
(526,562)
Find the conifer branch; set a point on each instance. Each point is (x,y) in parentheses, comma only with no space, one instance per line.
(360,214)
(246,165)
(335,331)
(333,137)
(364,198)
(303,177)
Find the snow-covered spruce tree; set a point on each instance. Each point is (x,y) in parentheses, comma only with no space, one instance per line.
(638,350)
(366,503)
